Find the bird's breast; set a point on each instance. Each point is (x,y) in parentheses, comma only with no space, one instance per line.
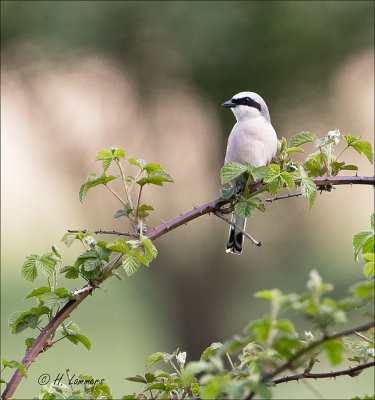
(254,142)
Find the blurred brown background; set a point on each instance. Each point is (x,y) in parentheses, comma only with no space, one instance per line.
(149,77)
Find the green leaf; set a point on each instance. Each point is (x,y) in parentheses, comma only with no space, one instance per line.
(70,271)
(19,321)
(153,359)
(259,173)
(211,350)
(139,163)
(228,193)
(193,368)
(130,264)
(364,290)
(257,203)
(69,238)
(92,181)
(119,245)
(232,170)
(38,292)
(265,294)
(292,150)
(288,179)
(142,211)
(262,390)
(156,178)
(276,184)
(29,342)
(349,139)
(308,190)
(373,221)
(285,325)
(301,138)
(150,250)
(369,269)
(124,212)
(361,146)
(118,153)
(29,270)
(334,349)
(363,242)
(137,378)
(56,252)
(150,167)
(244,208)
(261,328)
(273,173)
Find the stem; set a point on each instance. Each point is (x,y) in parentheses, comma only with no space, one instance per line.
(342,152)
(138,203)
(175,368)
(325,162)
(116,195)
(230,360)
(364,337)
(124,183)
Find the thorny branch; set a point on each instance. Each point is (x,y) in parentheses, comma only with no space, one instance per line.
(289,364)
(43,341)
(354,371)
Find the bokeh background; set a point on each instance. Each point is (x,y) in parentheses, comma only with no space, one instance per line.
(77,77)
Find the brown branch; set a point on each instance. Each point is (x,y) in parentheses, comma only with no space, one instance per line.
(43,341)
(252,240)
(289,364)
(354,371)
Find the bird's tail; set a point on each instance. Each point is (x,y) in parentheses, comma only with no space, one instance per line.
(235,238)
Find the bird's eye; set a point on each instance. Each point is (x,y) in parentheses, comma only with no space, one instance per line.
(247,99)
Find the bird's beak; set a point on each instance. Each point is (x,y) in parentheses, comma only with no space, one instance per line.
(229,104)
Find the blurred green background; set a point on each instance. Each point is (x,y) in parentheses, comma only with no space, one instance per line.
(150,77)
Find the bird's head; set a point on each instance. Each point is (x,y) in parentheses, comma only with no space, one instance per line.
(247,105)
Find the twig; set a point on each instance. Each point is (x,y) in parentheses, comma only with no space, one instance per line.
(230,360)
(270,200)
(254,241)
(101,231)
(289,364)
(364,337)
(307,375)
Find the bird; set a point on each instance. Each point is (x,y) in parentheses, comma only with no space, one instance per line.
(253,140)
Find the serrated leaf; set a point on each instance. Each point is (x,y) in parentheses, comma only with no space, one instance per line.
(103,154)
(301,138)
(361,239)
(29,342)
(273,173)
(69,238)
(142,211)
(288,179)
(259,173)
(361,146)
(155,386)
(257,203)
(92,181)
(123,212)
(27,319)
(150,167)
(29,270)
(334,349)
(155,178)
(369,269)
(211,350)
(228,193)
(285,325)
(150,250)
(244,209)
(70,271)
(308,189)
(153,359)
(231,171)
(118,245)
(38,292)
(276,184)
(56,252)
(139,163)
(118,153)
(137,378)
(292,150)
(130,264)
(350,139)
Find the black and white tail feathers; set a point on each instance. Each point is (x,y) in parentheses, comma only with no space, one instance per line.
(235,238)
